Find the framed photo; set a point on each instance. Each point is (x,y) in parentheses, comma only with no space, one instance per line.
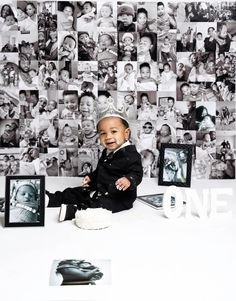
(155,200)
(175,165)
(24,201)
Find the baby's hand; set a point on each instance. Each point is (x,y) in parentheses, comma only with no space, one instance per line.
(86,180)
(122,183)
(65,53)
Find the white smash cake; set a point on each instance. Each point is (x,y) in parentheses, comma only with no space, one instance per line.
(93,218)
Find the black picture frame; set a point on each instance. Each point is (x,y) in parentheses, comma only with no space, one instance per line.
(175,165)
(26,212)
(155,200)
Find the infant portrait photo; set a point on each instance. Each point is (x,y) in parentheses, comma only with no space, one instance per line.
(24,201)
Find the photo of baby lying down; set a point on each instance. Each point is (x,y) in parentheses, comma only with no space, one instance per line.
(80,272)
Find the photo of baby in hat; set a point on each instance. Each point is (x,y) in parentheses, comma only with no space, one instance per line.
(127,49)
(125,21)
(24,201)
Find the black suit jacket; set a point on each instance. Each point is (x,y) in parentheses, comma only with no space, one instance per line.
(126,162)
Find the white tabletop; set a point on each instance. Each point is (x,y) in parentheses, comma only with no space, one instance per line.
(152,257)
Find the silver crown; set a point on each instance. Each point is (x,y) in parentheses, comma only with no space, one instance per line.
(112,111)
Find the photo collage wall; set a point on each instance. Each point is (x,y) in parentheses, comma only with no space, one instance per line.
(170,67)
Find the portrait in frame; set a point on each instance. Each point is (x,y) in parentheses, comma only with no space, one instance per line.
(175,165)
(24,201)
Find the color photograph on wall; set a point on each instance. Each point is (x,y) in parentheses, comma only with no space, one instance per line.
(169,66)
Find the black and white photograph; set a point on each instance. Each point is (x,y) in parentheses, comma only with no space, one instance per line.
(225,66)
(8,16)
(87,159)
(9,161)
(226,37)
(167,79)
(155,200)
(68,162)
(80,272)
(225,90)
(201,169)
(9,42)
(190,91)
(147,48)
(29,161)
(185,136)
(9,72)
(107,16)
(196,66)
(177,165)
(28,73)
(147,77)
(150,161)
(9,133)
(29,104)
(168,65)
(27,132)
(107,47)
(226,116)
(166,18)
(68,104)
(226,145)
(206,37)
(67,46)
(206,145)
(66,16)
(166,107)
(165,133)
(88,136)
(147,105)
(126,76)
(9,104)
(48,75)
(128,100)
(127,46)
(107,76)
(68,133)
(222,169)
(147,134)
(27,21)
(125,8)
(166,50)
(24,201)
(206,12)
(87,46)
(117,104)
(68,76)
(49,165)
(146,17)
(86,16)
(47,106)
(205,116)
(186,37)
(87,77)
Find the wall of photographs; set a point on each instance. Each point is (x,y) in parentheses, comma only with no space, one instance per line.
(171,66)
